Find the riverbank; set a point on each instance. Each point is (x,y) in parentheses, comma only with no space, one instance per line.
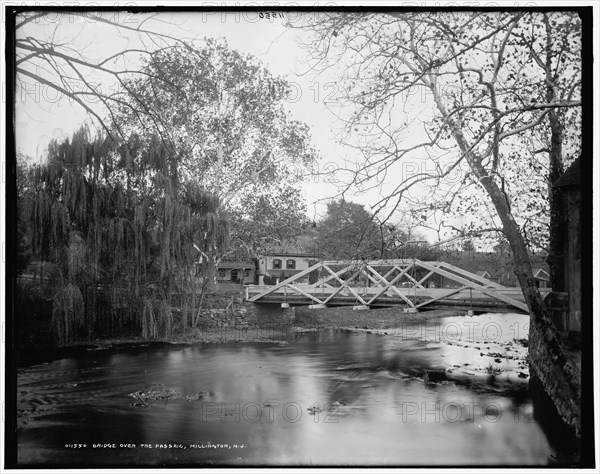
(489,350)
(381,318)
(274,328)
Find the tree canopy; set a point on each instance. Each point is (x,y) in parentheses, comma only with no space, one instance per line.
(484,80)
(410,81)
(224,116)
(348,232)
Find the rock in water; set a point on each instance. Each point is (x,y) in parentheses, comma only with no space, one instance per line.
(154,392)
(434,376)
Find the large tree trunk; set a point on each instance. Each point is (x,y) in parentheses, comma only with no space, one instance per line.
(549,360)
(557,217)
(548,357)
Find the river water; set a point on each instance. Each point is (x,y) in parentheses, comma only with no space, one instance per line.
(326,398)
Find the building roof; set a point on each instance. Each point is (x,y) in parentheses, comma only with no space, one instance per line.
(236,265)
(483,273)
(571,176)
(541,274)
(288,254)
(283,272)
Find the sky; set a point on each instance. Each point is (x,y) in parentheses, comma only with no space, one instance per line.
(41,114)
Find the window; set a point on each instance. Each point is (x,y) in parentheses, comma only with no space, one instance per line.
(276,263)
(246,273)
(290,264)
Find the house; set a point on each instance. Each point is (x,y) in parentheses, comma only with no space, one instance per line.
(236,272)
(570,183)
(542,278)
(273,268)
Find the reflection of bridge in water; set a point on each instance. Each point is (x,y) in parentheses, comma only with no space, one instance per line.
(412,284)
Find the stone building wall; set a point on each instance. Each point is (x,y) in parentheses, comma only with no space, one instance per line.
(558,374)
(573,260)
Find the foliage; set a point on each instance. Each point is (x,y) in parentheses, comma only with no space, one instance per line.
(23,251)
(219,111)
(483,80)
(48,55)
(224,117)
(268,220)
(348,232)
(117,224)
(67,312)
(411,80)
(468,245)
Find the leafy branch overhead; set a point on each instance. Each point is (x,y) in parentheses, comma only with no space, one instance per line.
(497,96)
(48,53)
(481,86)
(225,116)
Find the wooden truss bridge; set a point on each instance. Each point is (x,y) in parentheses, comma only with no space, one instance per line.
(413,284)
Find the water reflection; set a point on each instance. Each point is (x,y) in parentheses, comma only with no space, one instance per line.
(329,398)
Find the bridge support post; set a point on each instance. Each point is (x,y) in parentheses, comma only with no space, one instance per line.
(317,306)
(410,310)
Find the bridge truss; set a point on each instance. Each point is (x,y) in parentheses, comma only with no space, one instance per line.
(412,283)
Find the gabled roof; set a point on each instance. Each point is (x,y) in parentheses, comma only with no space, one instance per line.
(236,265)
(571,176)
(483,273)
(284,255)
(541,274)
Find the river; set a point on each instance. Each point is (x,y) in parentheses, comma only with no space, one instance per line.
(331,397)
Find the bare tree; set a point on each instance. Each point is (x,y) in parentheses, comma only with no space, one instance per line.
(45,53)
(487,85)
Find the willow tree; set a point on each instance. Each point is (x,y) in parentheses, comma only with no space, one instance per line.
(121,234)
(466,98)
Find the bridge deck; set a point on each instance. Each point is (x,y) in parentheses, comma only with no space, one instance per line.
(465,300)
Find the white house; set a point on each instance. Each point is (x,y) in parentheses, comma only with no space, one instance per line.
(276,267)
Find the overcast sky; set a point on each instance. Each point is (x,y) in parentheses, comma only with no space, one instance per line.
(41,114)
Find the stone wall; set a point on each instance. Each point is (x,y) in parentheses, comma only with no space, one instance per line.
(224,318)
(559,376)
(247,315)
(573,259)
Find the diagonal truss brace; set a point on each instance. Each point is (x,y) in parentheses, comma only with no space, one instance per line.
(390,284)
(492,292)
(344,284)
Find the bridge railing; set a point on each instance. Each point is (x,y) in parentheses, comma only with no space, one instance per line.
(369,281)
